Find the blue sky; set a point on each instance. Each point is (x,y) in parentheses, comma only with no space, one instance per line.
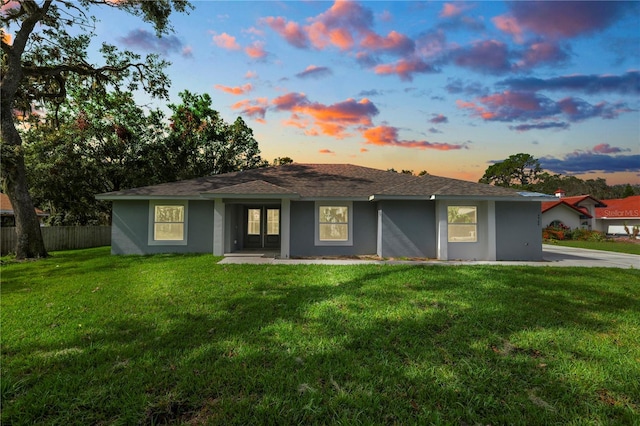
(447,87)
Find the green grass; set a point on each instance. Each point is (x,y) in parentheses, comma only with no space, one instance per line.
(617,246)
(89,338)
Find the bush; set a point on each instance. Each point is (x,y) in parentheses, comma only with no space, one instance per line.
(563,232)
(558,232)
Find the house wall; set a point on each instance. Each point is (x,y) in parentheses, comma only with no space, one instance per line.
(407,229)
(302,229)
(130,229)
(616,226)
(478,250)
(569,217)
(518,231)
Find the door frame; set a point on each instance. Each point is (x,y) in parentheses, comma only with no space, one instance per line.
(261,241)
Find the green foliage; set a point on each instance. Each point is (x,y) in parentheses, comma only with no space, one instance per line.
(281,161)
(519,170)
(89,338)
(201,143)
(522,171)
(46,56)
(94,145)
(108,143)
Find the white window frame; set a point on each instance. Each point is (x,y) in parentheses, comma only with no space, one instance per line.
(329,203)
(451,239)
(152,221)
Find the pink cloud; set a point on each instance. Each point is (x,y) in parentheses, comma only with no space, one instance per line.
(605,148)
(450,10)
(489,56)
(237,90)
(251,74)
(332,120)
(508,24)
(404,68)
(540,53)
(226,41)
(521,106)
(393,42)
(388,136)
(326,151)
(289,101)
(254,108)
(439,118)
(568,18)
(290,31)
(256,50)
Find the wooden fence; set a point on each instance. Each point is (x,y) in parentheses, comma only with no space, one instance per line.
(60,237)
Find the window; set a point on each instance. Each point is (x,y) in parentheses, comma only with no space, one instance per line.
(168,224)
(462,224)
(334,224)
(273,221)
(253,221)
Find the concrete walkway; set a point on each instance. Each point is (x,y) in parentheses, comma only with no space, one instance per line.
(553,256)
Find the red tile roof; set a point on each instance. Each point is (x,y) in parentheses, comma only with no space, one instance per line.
(620,208)
(548,205)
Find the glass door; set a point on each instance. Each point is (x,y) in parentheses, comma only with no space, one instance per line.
(262,227)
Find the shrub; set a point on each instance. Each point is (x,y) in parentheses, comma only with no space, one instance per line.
(558,232)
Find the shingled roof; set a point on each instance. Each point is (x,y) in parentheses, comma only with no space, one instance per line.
(314,181)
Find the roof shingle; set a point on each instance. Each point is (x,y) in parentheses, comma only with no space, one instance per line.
(316,181)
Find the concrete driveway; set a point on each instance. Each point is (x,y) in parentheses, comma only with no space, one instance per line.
(553,256)
(570,256)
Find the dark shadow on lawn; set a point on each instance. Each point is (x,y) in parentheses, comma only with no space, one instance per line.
(259,357)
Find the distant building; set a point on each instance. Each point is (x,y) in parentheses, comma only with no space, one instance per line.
(617,213)
(7,217)
(587,212)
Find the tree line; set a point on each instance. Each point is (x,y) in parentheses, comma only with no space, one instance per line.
(108,143)
(523,171)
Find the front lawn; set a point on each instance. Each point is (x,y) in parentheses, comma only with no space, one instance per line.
(618,246)
(89,338)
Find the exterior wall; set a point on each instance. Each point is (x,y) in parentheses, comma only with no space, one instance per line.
(407,229)
(616,226)
(302,231)
(478,250)
(130,229)
(564,214)
(518,231)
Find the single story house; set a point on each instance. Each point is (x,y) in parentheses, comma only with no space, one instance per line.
(573,212)
(301,210)
(7,217)
(587,212)
(617,213)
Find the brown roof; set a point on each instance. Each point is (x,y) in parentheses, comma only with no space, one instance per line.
(316,181)
(6,209)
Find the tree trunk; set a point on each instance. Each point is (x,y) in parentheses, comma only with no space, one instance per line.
(29,243)
(14,174)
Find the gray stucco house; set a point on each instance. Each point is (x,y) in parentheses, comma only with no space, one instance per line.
(328,210)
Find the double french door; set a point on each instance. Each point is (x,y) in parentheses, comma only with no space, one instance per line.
(262,227)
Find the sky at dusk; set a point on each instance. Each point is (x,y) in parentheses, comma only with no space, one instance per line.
(446,87)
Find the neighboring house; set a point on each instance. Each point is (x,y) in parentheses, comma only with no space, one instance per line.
(573,212)
(304,210)
(587,212)
(617,213)
(7,218)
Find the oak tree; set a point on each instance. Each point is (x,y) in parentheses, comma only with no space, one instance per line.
(44,44)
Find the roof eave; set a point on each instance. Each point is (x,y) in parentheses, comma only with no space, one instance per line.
(518,198)
(116,197)
(261,196)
